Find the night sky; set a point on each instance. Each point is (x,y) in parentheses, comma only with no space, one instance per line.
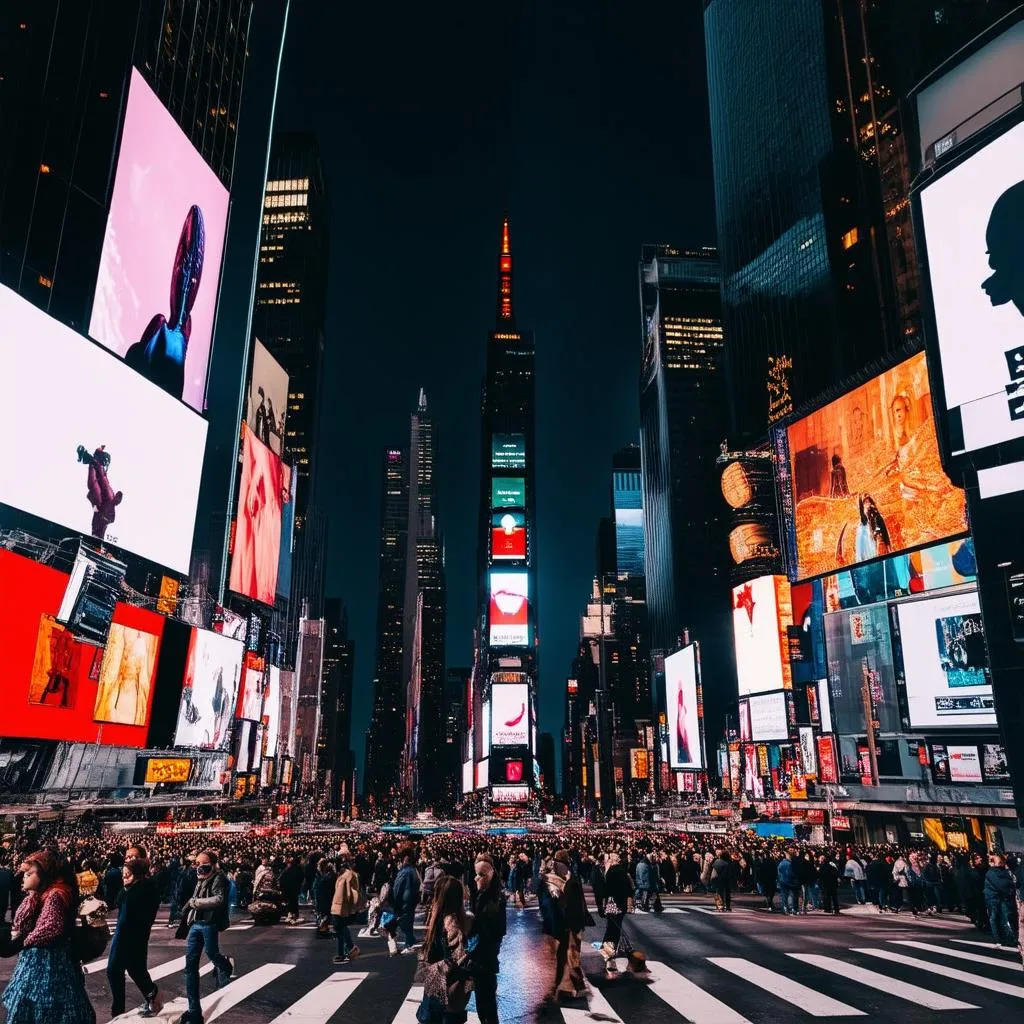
(585,120)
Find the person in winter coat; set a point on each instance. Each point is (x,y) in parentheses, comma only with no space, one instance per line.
(767,880)
(405,896)
(291,885)
(806,873)
(854,871)
(1000,899)
(206,915)
(878,875)
(566,917)
(901,884)
(88,880)
(112,881)
(646,883)
(722,880)
(346,905)
(48,985)
(618,891)
(433,873)
(828,879)
(137,905)
(323,896)
(447,932)
(788,883)
(488,929)
(597,883)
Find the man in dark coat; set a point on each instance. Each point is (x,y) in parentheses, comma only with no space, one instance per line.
(828,879)
(489,929)
(137,904)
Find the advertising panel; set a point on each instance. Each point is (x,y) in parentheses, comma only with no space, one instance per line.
(247,746)
(639,763)
(808,752)
(168,769)
(510,794)
(993,763)
(126,676)
(250,695)
(284,559)
(748,487)
(761,616)
(971,224)
(683,710)
(964,764)
(945,662)
(829,768)
(866,476)
(509,719)
(272,711)
(156,293)
(212,674)
(509,619)
(267,773)
(482,768)
(268,399)
(485,728)
(508,492)
(768,719)
(467,777)
(824,706)
(508,535)
(125,471)
(508,451)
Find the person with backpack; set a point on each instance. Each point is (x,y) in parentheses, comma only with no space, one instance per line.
(489,922)
(48,983)
(206,916)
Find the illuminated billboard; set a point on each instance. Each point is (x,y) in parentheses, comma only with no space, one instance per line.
(865,476)
(272,711)
(482,769)
(971,223)
(682,707)
(263,492)
(467,777)
(509,719)
(167,769)
(100,450)
(748,487)
(508,492)
(510,794)
(156,292)
(250,694)
(508,535)
(762,612)
(212,674)
(126,676)
(284,559)
(247,747)
(945,662)
(509,619)
(267,407)
(768,717)
(508,451)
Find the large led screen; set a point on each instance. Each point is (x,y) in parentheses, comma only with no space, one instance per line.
(262,495)
(508,535)
(762,612)
(945,662)
(508,492)
(284,560)
(99,449)
(250,696)
(684,749)
(272,711)
(510,721)
(768,717)
(972,227)
(212,674)
(126,676)
(268,398)
(865,474)
(508,451)
(156,293)
(510,610)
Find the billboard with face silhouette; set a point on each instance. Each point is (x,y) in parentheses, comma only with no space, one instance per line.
(683,707)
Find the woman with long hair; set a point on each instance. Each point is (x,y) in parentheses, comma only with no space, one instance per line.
(447,981)
(48,985)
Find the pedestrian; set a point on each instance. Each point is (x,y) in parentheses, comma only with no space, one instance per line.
(431,875)
(721,880)
(345,907)
(291,885)
(768,881)
(854,871)
(110,884)
(564,912)
(828,879)
(646,885)
(447,974)
(405,895)
(901,880)
(186,885)
(323,896)
(6,885)
(788,883)
(1000,899)
(488,929)
(88,880)
(618,891)
(48,984)
(806,874)
(206,916)
(137,905)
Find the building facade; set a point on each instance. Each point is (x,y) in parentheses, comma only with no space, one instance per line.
(336,690)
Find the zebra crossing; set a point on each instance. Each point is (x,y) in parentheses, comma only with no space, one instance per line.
(846,982)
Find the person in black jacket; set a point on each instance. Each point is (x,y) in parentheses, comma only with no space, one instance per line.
(879,879)
(767,878)
(828,879)
(205,917)
(618,893)
(112,880)
(137,904)
(6,887)
(1000,899)
(489,929)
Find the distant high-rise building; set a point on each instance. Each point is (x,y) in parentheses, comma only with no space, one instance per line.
(387,724)
(546,760)
(628,509)
(338,681)
(456,689)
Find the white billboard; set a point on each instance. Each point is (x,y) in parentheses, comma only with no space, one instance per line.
(768,719)
(684,748)
(208,697)
(267,407)
(485,729)
(510,794)
(467,777)
(824,705)
(99,448)
(964,764)
(759,621)
(510,720)
(945,662)
(272,711)
(480,778)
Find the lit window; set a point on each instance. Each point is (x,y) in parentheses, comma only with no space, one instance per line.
(850,238)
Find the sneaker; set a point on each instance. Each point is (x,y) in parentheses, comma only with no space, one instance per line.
(341,960)
(153,1005)
(410,949)
(232,975)
(353,952)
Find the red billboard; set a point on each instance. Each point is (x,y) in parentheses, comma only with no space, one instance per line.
(508,535)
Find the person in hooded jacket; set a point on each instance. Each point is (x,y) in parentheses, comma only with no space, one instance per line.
(1000,899)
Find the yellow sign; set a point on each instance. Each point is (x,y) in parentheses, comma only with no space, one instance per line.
(167,602)
(641,769)
(168,769)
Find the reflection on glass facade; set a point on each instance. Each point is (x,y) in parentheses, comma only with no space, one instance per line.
(628,505)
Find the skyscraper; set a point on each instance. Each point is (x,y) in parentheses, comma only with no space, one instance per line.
(628,509)
(507,666)
(682,423)
(387,724)
(336,689)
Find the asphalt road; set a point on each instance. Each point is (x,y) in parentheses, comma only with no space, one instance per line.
(705,967)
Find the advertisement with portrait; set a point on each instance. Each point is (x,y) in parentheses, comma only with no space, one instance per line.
(508,492)
(744,716)
(262,494)
(509,719)
(126,676)
(51,681)
(509,619)
(101,450)
(272,711)
(807,654)
(945,662)
(156,292)
(768,719)
(682,705)
(993,763)
(508,451)
(508,536)
(761,616)
(267,406)
(866,476)
(212,674)
(970,220)
(247,746)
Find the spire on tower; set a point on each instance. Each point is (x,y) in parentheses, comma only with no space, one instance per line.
(423,400)
(505,276)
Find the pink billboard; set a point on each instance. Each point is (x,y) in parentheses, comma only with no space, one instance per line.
(156,293)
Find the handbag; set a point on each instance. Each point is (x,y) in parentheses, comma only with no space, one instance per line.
(90,932)
(611,908)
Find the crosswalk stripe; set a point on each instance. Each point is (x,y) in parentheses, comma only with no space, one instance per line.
(598,1009)
(947,972)
(675,910)
(815,1003)
(317,1006)
(991,947)
(407,1011)
(700,1007)
(156,973)
(883,983)
(959,954)
(705,910)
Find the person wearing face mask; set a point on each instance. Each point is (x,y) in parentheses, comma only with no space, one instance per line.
(206,915)
(137,904)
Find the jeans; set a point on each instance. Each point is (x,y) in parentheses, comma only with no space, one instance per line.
(789,896)
(345,943)
(203,935)
(859,891)
(130,957)
(1002,916)
(485,984)
(405,926)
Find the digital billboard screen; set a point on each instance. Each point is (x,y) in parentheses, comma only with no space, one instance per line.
(100,450)
(945,662)
(212,674)
(284,559)
(971,223)
(126,676)
(964,764)
(510,794)
(167,769)
(267,407)
(262,494)
(508,492)
(865,474)
(156,292)
(682,708)
(768,717)
(510,722)
(762,612)
(250,695)
(247,746)
(509,620)
(508,451)
(508,535)
(272,711)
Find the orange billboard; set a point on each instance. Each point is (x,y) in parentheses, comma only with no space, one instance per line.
(168,769)
(865,474)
